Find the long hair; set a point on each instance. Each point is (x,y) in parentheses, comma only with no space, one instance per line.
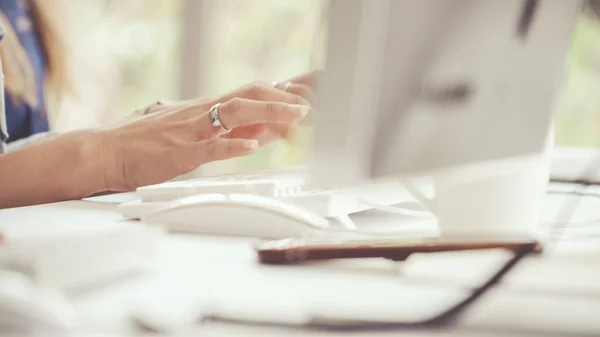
(48,23)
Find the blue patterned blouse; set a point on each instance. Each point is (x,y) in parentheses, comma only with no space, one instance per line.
(23,120)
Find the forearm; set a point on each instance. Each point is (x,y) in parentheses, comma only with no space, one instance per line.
(65,167)
(16,145)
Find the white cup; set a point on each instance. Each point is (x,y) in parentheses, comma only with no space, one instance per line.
(507,201)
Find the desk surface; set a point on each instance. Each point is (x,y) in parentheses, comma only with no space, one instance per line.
(557,292)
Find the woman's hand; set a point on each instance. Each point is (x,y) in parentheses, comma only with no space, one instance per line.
(301,85)
(176,138)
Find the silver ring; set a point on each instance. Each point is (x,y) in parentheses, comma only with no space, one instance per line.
(214,119)
(275,84)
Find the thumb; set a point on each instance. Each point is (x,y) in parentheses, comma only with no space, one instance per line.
(253,131)
(220,149)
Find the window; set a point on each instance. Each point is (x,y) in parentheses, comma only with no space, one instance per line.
(127,55)
(578,123)
(578,120)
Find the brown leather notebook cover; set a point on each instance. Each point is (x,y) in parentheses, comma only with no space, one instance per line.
(399,249)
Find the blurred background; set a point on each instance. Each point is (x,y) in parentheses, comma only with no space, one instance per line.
(135,51)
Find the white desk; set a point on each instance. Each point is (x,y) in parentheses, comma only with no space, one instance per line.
(557,292)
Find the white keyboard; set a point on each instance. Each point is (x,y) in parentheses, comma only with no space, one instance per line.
(290,184)
(271,183)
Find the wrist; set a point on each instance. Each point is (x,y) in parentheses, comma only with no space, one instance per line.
(109,160)
(65,167)
(89,162)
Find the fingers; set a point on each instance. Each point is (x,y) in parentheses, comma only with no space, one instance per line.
(264,92)
(238,111)
(307,79)
(194,154)
(160,105)
(221,149)
(254,104)
(275,132)
(301,90)
(280,130)
(248,132)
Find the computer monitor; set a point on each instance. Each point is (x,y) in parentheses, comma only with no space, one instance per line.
(436,87)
